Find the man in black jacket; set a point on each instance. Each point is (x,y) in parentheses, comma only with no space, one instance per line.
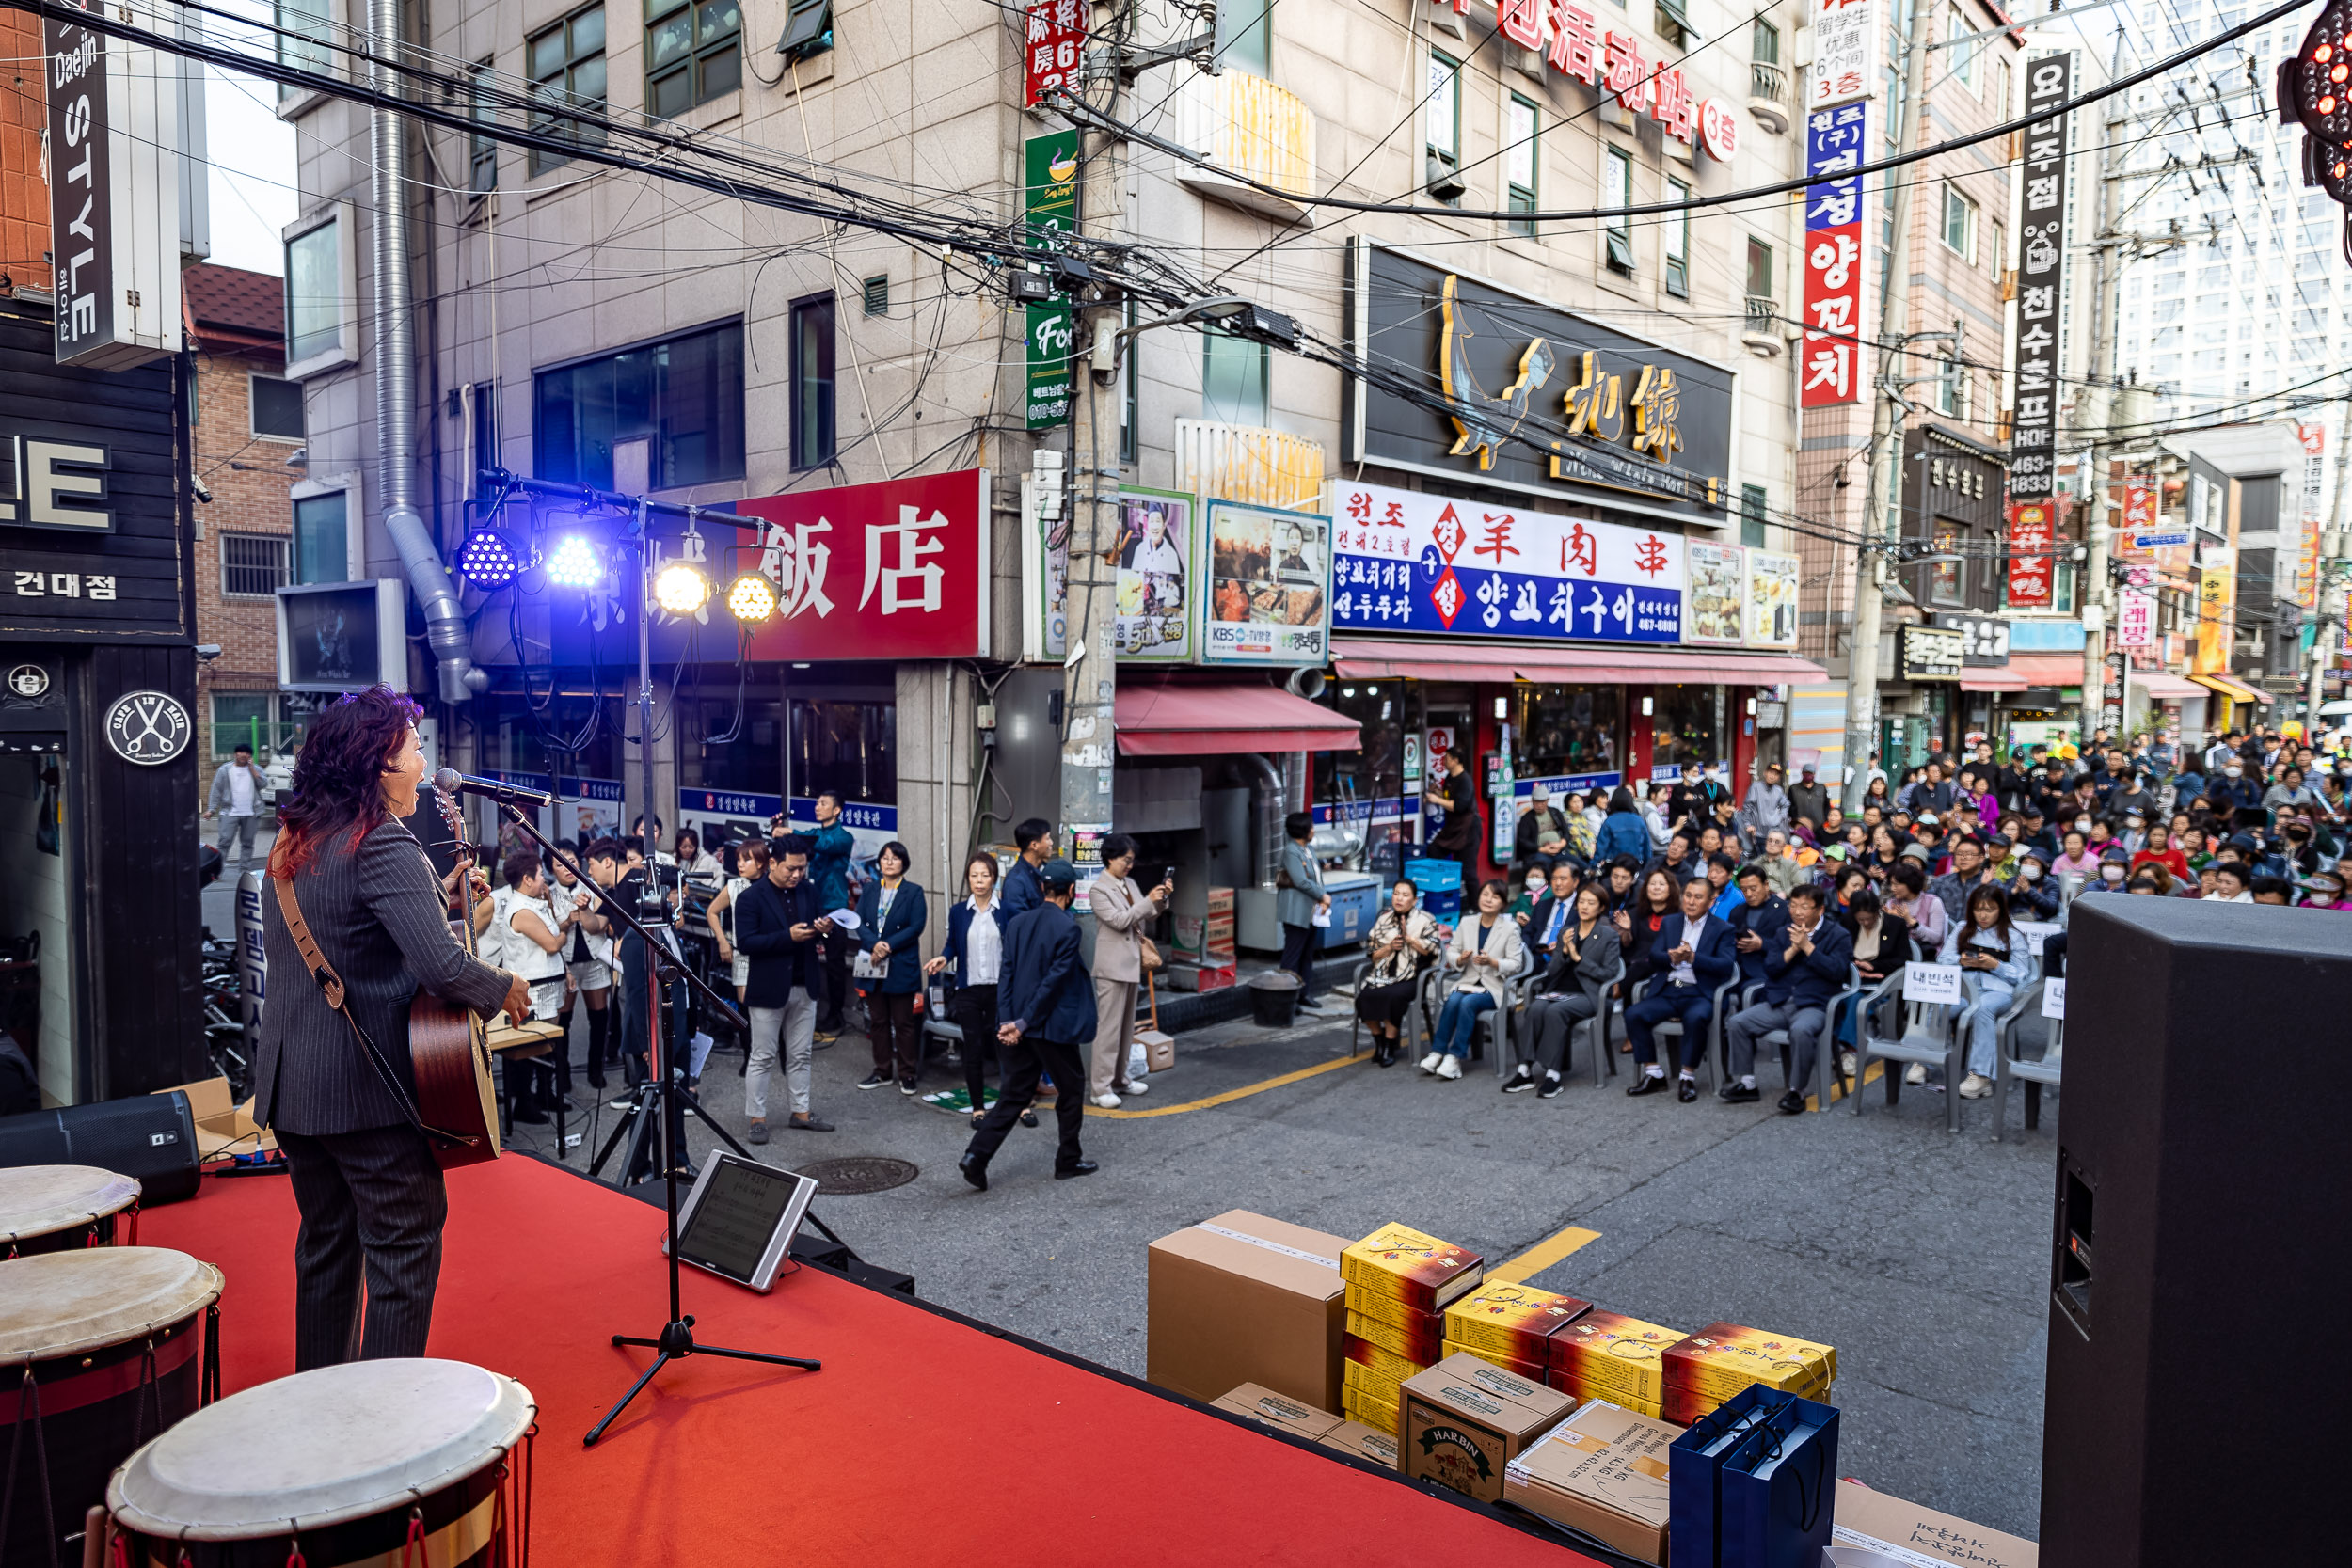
(1044,1009)
(1540,927)
(1807,966)
(777,927)
(1760,919)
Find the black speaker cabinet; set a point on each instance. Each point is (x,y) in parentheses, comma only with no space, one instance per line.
(149,1137)
(2199,1401)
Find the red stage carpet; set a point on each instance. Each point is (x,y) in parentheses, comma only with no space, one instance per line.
(922,1440)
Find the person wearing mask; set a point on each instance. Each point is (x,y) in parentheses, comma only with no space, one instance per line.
(891,914)
(2325,890)
(1757,918)
(2033,894)
(1802,971)
(1584,957)
(974,953)
(2158,850)
(1541,835)
(1986,944)
(1487,953)
(1808,800)
(2231,882)
(2237,798)
(1534,889)
(1121,910)
(1460,835)
(781,929)
(1403,940)
(236,799)
(1552,912)
(829,872)
(1045,1016)
(2115,867)
(1299,897)
(1024,892)
(1625,831)
(1767,806)
(1906,899)
(1693,953)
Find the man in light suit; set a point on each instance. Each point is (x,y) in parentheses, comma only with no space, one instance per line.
(1044,1010)
(1699,956)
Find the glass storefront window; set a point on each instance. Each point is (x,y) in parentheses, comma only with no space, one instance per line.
(1566,730)
(1686,726)
(721,747)
(1375,772)
(851,748)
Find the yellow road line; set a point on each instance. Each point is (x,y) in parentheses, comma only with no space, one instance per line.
(1543,1255)
(1231,1095)
(1836,1092)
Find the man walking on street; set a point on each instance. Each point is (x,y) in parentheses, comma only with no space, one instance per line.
(778,926)
(1044,1010)
(237,800)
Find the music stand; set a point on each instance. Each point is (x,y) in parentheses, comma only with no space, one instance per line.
(676,1339)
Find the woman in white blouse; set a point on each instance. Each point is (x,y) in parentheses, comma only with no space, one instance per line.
(976,948)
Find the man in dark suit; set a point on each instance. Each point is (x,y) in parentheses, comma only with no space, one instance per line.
(778,924)
(1809,964)
(1757,922)
(1555,913)
(1044,1010)
(1023,891)
(1699,956)
(363,1171)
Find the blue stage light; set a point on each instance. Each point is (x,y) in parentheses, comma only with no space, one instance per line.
(486,560)
(576,563)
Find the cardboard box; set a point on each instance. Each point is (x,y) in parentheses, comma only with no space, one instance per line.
(1357,1378)
(1401,1264)
(1355,1438)
(1723,1358)
(1514,1322)
(1871,1521)
(1464,1420)
(223,1127)
(1411,1321)
(1160,1049)
(1608,1355)
(1417,1342)
(1385,1365)
(1603,1470)
(1531,1371)
(1241,1298)
(1561,1382)
(1220,900)
(1278,1410)
(1369,1410)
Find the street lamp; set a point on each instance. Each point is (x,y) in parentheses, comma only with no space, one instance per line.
(1231,312)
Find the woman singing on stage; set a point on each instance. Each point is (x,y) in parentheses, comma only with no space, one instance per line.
(364,1175)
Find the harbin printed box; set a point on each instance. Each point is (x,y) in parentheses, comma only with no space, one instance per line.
(1416,1271)
(1602,1470)
(1514,1322)
(1464,1420)
(1241,1298)
(1776,1486)
(1695,1474)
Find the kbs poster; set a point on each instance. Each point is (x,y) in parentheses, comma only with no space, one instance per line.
(1831,355)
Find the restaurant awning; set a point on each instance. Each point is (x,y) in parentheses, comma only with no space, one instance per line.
(2165,687)
(2024,672)
(1174,719)
(2235,689)
(1373,657)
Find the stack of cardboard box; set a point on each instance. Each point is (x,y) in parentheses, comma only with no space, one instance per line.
(1284,1414)
(1398,1283)
(1608,1355)
(1709,1367)
(1465,1420)
(1205,959)
(1511,1325)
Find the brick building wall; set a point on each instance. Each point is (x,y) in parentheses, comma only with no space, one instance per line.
(24,196)
(250,481)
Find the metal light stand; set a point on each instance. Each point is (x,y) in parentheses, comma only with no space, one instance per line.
(676,1339)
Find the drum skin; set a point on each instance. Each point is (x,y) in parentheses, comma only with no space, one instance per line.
(60,1208)
(83,1320)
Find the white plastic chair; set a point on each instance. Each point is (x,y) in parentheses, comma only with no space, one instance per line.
(2009,1065)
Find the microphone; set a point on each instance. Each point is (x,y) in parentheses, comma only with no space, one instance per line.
(451,781)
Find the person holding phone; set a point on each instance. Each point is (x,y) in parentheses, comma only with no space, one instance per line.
(1299,897)
(779,929)
(1997,954)
(1121,910)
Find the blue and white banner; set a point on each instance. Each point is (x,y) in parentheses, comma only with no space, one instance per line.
(1414,563)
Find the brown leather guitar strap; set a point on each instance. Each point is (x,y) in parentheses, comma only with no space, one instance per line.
(331,987)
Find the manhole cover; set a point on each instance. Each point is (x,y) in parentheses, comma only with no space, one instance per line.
(863,1173)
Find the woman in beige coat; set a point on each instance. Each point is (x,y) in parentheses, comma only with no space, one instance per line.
(1121,910)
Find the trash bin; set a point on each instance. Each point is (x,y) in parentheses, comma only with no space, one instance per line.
(1274,999)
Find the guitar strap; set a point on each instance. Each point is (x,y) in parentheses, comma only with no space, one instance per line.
(331,987)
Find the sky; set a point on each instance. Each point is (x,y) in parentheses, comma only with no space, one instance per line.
(252,155)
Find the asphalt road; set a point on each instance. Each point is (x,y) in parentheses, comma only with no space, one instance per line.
(1920,1256)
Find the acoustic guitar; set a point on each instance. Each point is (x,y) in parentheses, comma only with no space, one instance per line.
(450,1050)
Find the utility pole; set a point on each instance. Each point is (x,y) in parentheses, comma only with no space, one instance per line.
(1090,677)
(2105,316)
(1882,509)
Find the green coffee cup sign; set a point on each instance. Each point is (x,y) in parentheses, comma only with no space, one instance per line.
(1051,178)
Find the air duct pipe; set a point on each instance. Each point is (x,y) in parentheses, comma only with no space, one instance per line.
(445,629)
(1271,804)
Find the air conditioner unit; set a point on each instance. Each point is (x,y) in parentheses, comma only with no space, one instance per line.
(1445,180)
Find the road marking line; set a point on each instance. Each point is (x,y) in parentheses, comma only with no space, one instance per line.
(1543,1255)
(1231,1095)
(1836,1090)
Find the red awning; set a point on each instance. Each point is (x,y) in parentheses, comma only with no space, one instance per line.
(1364,657)
(2023,671)
(1175,720)
(2165,687)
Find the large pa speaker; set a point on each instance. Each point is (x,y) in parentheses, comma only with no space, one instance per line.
(2199,1408)
(149,1137)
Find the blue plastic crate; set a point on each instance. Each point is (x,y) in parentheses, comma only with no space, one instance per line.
(1433,876)
(1444,908)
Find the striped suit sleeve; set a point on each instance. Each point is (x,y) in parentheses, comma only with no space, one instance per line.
(397,884)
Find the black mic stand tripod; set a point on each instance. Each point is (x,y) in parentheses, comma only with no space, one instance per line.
(677,1340)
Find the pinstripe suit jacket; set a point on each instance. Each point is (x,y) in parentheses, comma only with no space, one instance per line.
(375,911)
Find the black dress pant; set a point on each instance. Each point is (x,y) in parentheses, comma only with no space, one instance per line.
(1023,1060)
(372,1203)
(972,1008)
(1298,956)
(837,958)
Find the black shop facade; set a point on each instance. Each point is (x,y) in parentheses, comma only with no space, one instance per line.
(100,921)
(1550,578)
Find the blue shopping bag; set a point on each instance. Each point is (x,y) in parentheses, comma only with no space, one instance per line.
(1693,1468)
(1774,1489)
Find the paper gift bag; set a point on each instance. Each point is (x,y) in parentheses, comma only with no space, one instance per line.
(1693,1469)
(1776,1486)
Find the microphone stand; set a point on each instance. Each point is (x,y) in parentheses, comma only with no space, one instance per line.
(676,1339)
